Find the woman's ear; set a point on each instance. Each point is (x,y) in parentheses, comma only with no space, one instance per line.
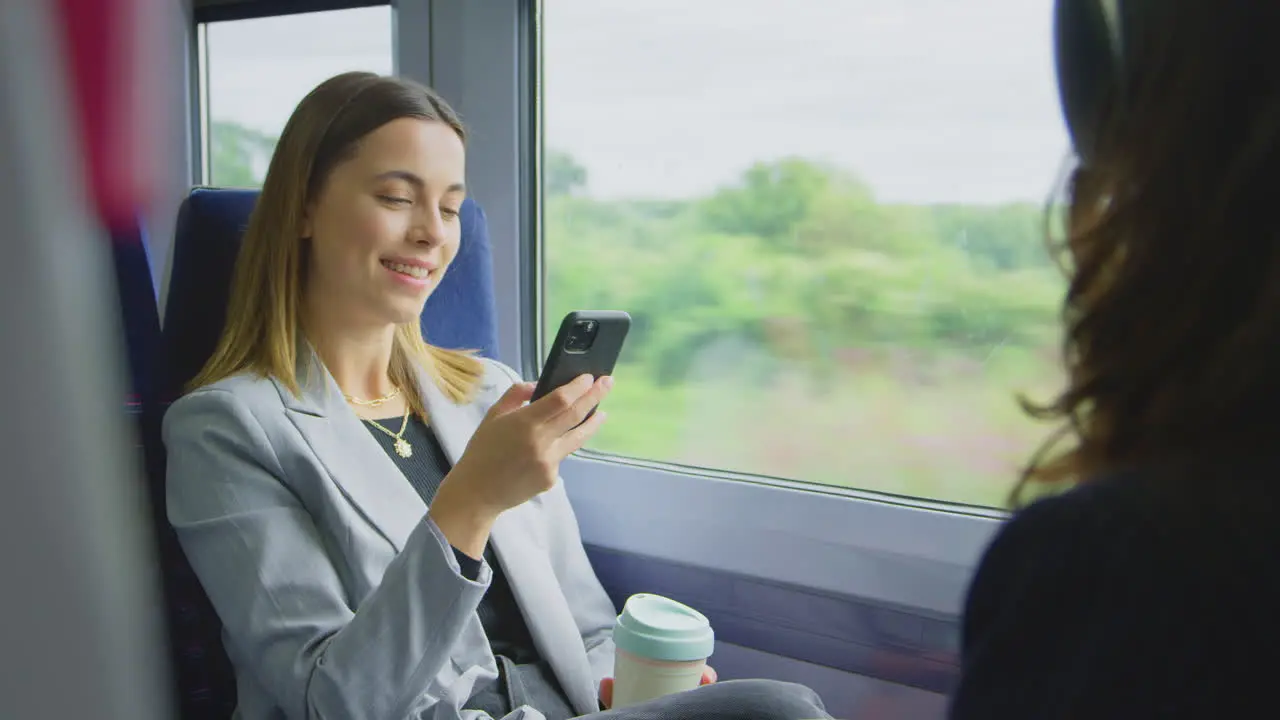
(308,211)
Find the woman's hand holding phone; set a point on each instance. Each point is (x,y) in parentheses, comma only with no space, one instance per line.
(514,455)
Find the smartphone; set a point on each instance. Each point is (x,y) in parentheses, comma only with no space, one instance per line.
(588,343)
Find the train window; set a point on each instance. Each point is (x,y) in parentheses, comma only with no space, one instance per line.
(253,73)
(826,220)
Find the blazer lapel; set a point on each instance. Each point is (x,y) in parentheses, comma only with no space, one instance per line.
(356,462)
(543,605)
(524,560)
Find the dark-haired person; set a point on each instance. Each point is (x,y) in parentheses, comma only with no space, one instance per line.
(1151,589)
(379,522)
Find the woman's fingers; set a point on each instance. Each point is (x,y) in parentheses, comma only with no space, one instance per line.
(573,440)
(515,397)
(556,403)
(574,416)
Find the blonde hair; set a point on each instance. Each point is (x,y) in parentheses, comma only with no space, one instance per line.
(263,316)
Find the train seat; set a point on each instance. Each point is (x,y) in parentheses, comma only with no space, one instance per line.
(460,314)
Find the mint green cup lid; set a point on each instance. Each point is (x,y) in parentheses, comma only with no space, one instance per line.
(659,628)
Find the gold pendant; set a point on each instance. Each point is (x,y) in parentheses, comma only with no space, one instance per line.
(403,448)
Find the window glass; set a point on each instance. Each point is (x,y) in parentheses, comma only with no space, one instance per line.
(826,219)
(255,72)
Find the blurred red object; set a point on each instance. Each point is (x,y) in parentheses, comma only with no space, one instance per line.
(114,51)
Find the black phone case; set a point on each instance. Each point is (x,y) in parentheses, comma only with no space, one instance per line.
(563,366)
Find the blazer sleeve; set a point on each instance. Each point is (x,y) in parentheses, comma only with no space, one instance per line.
(591,607)
(1064,616)
(264,566)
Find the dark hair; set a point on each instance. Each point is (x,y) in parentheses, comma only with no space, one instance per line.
(1172,248)
(356,104)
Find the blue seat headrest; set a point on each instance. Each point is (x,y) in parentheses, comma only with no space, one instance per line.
(204,680)
(141,318)
(460,313)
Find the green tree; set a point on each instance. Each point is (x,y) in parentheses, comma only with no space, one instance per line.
(769,202)
(846,216)
(238,155)
(562,174)
(1003,237)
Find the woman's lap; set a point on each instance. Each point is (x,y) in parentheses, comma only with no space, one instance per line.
(728,700)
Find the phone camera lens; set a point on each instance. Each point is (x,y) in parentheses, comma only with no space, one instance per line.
(581,336)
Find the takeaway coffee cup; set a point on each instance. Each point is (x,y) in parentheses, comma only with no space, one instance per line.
(662,648)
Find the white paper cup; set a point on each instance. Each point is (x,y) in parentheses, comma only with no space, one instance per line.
(662,648)
(638,680)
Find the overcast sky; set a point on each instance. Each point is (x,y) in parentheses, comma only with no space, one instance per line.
(927,100)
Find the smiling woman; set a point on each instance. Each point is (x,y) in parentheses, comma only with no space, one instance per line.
(385,218)
(344,491)
(369,170)
(402,189)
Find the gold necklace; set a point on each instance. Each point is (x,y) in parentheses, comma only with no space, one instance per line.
(376,402)
(403,448)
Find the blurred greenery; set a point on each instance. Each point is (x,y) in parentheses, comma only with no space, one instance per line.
(238,156)
(790,324)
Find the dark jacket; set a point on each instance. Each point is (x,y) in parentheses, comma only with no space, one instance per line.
(1141,595)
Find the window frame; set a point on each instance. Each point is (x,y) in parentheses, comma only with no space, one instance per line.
(908,553)
(755,536)
(207,11)
(198,56)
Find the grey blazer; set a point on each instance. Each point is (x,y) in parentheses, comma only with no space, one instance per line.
(339,596)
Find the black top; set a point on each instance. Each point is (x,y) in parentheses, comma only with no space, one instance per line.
(524,678)
(1141,595)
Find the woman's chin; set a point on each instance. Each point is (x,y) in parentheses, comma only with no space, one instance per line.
(402,313)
